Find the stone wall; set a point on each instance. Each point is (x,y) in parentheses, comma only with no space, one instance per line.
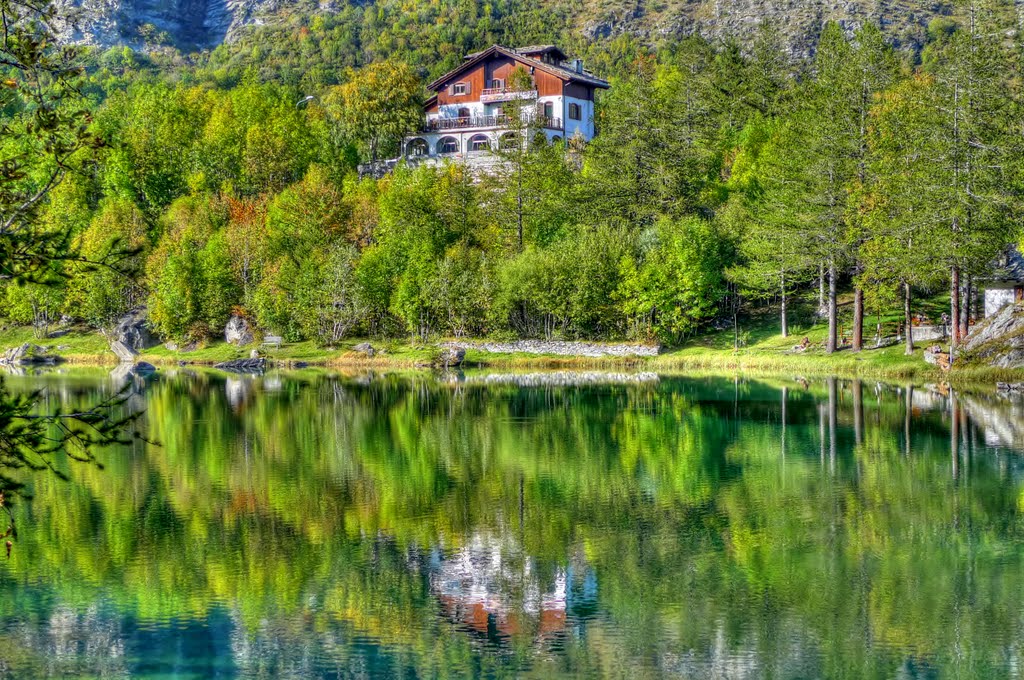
(561,348)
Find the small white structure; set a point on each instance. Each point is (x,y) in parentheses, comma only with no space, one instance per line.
(1005,285)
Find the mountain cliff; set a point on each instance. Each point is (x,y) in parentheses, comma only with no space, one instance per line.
(199,24)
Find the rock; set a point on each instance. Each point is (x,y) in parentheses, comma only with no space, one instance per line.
(255,354)
(451,356)
(144,368)
(998,341)
(238,331)
(366,348)
(29,355)
(132,330)
(936,357)
(124,352)
(173,346)
(300,364)
(243,365)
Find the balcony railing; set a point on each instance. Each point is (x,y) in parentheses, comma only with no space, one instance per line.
(499,94)
(440,124)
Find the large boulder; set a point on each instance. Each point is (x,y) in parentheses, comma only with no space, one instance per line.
(132,331)
(238,331)
(28,355)
(451,357)
(365,348)
(998,340)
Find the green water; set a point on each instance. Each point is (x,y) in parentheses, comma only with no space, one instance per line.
(324,526)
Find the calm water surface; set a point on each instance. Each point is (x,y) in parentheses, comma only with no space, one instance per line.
(298,525)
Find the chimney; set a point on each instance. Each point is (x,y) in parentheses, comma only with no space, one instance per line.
(577,65)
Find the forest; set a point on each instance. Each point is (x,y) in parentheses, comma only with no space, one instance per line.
(724,177)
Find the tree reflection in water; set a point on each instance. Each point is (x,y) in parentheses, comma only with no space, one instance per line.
(306,525)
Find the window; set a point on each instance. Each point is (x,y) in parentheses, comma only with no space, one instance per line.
(448,145)
(464,113)
(574,112)
(497,84)
(460,88)
(479,143)
(556,140)
(417,147)
(547,111)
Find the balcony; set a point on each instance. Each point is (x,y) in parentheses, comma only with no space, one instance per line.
(471,122)
(503,94)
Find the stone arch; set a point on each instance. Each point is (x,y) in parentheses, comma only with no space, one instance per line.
(447,145)
(417,147)
(479,142)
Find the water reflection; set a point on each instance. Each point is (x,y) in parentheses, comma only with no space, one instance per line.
(313,525)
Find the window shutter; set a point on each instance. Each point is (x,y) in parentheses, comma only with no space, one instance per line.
(469,86)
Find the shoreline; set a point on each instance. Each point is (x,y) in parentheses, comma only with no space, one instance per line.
(884,364)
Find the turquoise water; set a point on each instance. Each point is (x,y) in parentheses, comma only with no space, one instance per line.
(308,525)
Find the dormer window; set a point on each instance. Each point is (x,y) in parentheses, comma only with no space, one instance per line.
(460,88)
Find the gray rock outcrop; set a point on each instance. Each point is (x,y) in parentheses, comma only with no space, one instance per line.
(29,355)
(998,341)
(238,331)
(125,354)
(451,357)
(365,348)
(131,335)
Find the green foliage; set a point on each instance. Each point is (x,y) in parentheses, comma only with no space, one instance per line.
(677,283)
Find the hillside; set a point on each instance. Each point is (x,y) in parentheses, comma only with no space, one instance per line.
(191,25)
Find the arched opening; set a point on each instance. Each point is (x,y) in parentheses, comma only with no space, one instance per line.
(479,143)
(556,141)
(508,141)
(447,145)
(417,147)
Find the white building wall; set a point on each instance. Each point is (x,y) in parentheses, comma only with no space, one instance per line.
(585,125)
(996,299)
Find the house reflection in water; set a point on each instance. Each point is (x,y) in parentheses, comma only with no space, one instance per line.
(492,589)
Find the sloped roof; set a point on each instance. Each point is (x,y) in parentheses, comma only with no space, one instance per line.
(1008,267)
(559,71)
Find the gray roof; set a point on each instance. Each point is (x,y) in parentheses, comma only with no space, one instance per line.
(1008,267)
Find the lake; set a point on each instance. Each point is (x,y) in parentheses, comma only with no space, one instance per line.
(314,525)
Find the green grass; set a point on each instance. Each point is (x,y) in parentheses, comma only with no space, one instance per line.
(762,350)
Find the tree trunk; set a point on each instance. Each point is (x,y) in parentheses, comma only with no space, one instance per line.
(858,319)
(909,332)
(965,316)
(785,324)
(954,306)
(833,320)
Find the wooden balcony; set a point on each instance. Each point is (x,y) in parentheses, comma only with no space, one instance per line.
(471,122)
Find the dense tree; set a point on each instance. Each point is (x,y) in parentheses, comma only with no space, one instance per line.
(377,106)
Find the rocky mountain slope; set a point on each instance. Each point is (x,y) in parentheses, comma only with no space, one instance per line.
(197,24)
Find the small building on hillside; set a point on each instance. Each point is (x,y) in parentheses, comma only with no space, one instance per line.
(472,109)
(1004,285)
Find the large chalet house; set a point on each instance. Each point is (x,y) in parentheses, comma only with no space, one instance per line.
(469,113)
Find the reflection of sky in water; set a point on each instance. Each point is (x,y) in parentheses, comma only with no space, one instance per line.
(535,525)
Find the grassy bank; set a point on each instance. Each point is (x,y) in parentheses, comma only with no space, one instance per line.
(760,351)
